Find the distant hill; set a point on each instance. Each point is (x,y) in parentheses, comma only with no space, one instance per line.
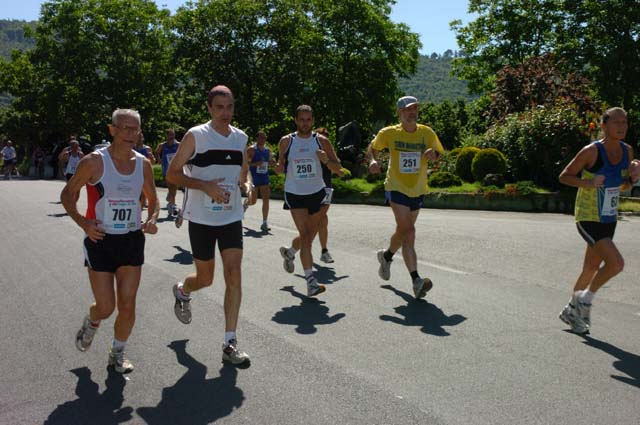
(12,36)
(432,81)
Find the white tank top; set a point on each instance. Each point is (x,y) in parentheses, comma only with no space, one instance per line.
(72,163)
(304,171)
(115,199)
(216,156)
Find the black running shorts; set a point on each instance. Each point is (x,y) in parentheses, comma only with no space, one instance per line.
(312,202)
(114,251)
(203,238)
(593,231)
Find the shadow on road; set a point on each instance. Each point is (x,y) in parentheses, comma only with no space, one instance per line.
(58,215)
(627,363)
(421,313)
(258,234)
(194,399)
(91,407)
(183,256)
(327,275)
(307,316)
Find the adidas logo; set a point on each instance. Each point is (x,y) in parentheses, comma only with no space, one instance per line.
(228,157)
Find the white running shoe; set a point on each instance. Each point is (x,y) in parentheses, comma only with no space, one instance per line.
(421,287)
(326,257)
(182,307)
(288,264)
(385,266)
(119,361)
(85,335)
(313,287)
(230,353)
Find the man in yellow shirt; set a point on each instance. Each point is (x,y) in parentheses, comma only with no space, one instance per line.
(411,146)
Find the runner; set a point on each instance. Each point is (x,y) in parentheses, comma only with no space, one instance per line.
(114,239)
(411,146)
(301,155)
(8,154)
(165,153)
(216,168)
(323,231)
(599,171)
(72,156)
(259,161)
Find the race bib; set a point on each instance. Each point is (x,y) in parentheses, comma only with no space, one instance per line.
(121,214)
(263,169)
(227,205)
(610,202)
(71,168)
(303,168)
(410,162)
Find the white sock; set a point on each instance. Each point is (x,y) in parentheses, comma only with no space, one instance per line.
(118,345)
(293,251)
(308,273)
(182,293)
(586,297)
(264,221)
(228,336)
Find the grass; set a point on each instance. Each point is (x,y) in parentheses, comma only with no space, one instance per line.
(476,187)
(629,206)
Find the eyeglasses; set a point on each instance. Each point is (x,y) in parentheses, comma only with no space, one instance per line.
(127,129)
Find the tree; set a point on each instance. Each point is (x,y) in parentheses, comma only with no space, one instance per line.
(90,57)
(598,37)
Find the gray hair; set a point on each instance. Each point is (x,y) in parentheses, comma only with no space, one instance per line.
(115,118)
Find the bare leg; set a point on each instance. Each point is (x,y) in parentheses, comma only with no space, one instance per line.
(202,278)
(127,282)
(231,261)
(405,234)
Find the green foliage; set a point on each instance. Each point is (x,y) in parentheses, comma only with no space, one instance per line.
(463,163)
(447,161)
(276,182)
(525,187)
(446,119)
(433,82)
(157,175)
(444,179)
(538,144)
(346,174)
(488,161)
(506,32)
(23,167)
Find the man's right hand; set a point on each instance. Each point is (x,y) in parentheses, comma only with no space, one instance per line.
(215,192)
(375,167)
(92,228)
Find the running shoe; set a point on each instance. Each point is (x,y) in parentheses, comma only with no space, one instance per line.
(288,259)
(583,314)
(567,314)
(119,361)
(230,353)
(313,287)
(326,257)
(182,307)
(170,209)
(385,266)
(84,337)
(421,286)
(265,227)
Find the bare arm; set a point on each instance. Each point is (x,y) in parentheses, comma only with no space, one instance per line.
(372,159)
(584,159)
(89,170)
(329,157)
(176,175)
(283,145)
(246,181)
(149,190)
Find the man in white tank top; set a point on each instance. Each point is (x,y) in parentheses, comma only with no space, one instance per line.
(301,155)
(71,156)
(114,177)
(211,163)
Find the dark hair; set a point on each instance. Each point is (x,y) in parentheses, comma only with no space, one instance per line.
(218,91)
(608,112)
(303,108)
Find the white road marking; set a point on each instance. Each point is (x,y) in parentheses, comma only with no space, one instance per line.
(443,268)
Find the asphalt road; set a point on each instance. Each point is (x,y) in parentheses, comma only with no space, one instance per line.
(486,348)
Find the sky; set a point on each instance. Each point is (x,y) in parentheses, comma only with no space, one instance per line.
(429,18)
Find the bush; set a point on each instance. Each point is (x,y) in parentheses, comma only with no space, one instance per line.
(23,167)
(539,143)
(157,175)
(488,161)
(346,174)
(525,188)
(493,180)
(463,163)
(444,179)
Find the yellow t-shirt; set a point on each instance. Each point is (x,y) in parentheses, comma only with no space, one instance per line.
(407,171)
